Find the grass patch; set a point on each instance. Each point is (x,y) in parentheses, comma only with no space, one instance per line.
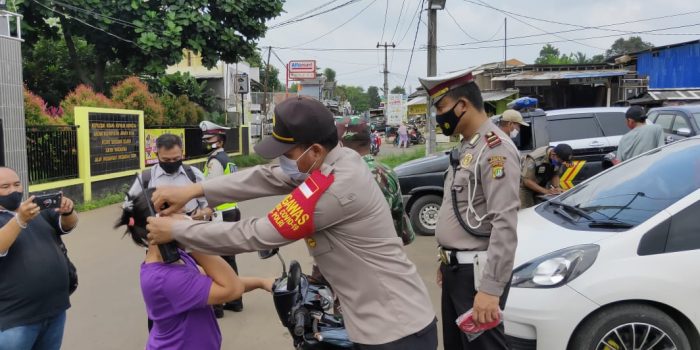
(245,161)
(99,203)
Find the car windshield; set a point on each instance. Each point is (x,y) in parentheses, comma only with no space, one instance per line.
(634,191)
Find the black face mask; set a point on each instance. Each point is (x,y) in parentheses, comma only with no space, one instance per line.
(448,120)
(171,167)
(11,201)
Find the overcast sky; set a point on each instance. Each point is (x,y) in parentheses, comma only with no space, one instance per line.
(364,68)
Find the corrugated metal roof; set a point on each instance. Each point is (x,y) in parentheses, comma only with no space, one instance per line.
(497,95)
(559,75)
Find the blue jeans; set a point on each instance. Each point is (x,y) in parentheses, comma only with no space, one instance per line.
(43,335)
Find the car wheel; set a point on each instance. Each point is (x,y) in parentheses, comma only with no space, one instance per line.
(630,327)
(424,214)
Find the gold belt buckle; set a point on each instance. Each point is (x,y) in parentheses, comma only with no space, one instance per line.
(442,255)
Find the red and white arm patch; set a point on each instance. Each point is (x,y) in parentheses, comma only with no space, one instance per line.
(293,217)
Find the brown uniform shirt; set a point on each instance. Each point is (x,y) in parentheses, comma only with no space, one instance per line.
(536,167)
(354,245)
(486,180)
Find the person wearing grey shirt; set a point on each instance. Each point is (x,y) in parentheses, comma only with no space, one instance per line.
(171,172)
(643,137)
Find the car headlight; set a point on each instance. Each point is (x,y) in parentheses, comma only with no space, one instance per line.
(555,269)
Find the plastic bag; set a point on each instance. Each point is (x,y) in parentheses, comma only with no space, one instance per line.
(465,322)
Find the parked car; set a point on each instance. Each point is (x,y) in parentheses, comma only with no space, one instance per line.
(678,122)
(591,132)
(614,263)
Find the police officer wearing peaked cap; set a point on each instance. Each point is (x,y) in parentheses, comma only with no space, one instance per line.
(346,224)
(219,164)
(476,228)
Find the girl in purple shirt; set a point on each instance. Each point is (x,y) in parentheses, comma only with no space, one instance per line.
(179,296)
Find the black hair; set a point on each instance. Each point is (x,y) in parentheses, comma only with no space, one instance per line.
(469,91)
(329,142)
(134,216)
(168,141)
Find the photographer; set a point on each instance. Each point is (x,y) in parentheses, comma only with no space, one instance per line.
(34,286)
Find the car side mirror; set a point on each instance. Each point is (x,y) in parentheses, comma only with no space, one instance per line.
(266,254)
(684,132)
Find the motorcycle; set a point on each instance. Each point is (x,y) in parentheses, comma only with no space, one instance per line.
(306,308)
(415,137)
(375,144)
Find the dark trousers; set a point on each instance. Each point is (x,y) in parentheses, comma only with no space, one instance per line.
(458,294)
(425,339)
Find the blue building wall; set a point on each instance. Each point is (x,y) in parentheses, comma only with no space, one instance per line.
(676,67)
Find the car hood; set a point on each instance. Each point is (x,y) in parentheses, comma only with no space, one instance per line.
(538,236)
(437,162)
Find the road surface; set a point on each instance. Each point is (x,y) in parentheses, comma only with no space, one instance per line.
(108,312)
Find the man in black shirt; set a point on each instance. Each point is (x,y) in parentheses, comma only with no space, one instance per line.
(33,269)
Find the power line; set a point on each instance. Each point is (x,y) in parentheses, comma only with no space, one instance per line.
(338,27)
(356,71)
(410,24)
(386,12)
(398,21)
(87,24)
(301,17)
(410,60)
(459,26)
(534,26)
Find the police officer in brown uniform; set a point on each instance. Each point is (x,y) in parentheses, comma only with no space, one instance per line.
(476,227)
(334,204)
(541,171)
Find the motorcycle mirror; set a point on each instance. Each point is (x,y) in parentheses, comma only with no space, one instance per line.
(266,254)
(294,275)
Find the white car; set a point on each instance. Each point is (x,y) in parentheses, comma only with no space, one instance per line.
(614,263)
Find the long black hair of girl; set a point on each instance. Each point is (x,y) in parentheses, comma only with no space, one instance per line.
(134,216)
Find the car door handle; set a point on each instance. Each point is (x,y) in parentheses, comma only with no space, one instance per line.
(596,144)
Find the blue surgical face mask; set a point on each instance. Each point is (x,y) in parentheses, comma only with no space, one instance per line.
(556,162)
(291,167)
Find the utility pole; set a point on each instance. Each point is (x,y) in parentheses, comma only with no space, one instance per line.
(267,79)
(505,42)
(386,70)
(433,6)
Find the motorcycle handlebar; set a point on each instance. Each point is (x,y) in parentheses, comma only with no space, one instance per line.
(299,322)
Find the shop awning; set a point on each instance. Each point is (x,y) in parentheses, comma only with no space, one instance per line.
(560,75)
(497,95)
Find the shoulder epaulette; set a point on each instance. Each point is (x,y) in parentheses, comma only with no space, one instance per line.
(492,139)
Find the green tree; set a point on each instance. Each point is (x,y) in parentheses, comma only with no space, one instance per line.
(548,55)
(355,95)
(151,35)
(294,87)
(623,46)
(373,97)
(598,59)
(273,80)
(329,74)
(398,90)
(178,84)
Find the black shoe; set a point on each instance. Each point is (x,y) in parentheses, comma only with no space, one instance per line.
(219,311)
(235,306)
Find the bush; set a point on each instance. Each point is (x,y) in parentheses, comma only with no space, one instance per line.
(84,96)
(184,84)
(35,112)
(181,111)
(132,93)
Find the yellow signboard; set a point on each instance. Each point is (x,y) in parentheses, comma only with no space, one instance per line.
(417,109)
(150,142)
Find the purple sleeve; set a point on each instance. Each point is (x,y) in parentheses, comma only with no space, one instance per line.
(186,289)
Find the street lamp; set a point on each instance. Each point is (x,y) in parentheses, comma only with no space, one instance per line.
(436,4)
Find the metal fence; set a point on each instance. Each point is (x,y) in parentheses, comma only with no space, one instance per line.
(52,153)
